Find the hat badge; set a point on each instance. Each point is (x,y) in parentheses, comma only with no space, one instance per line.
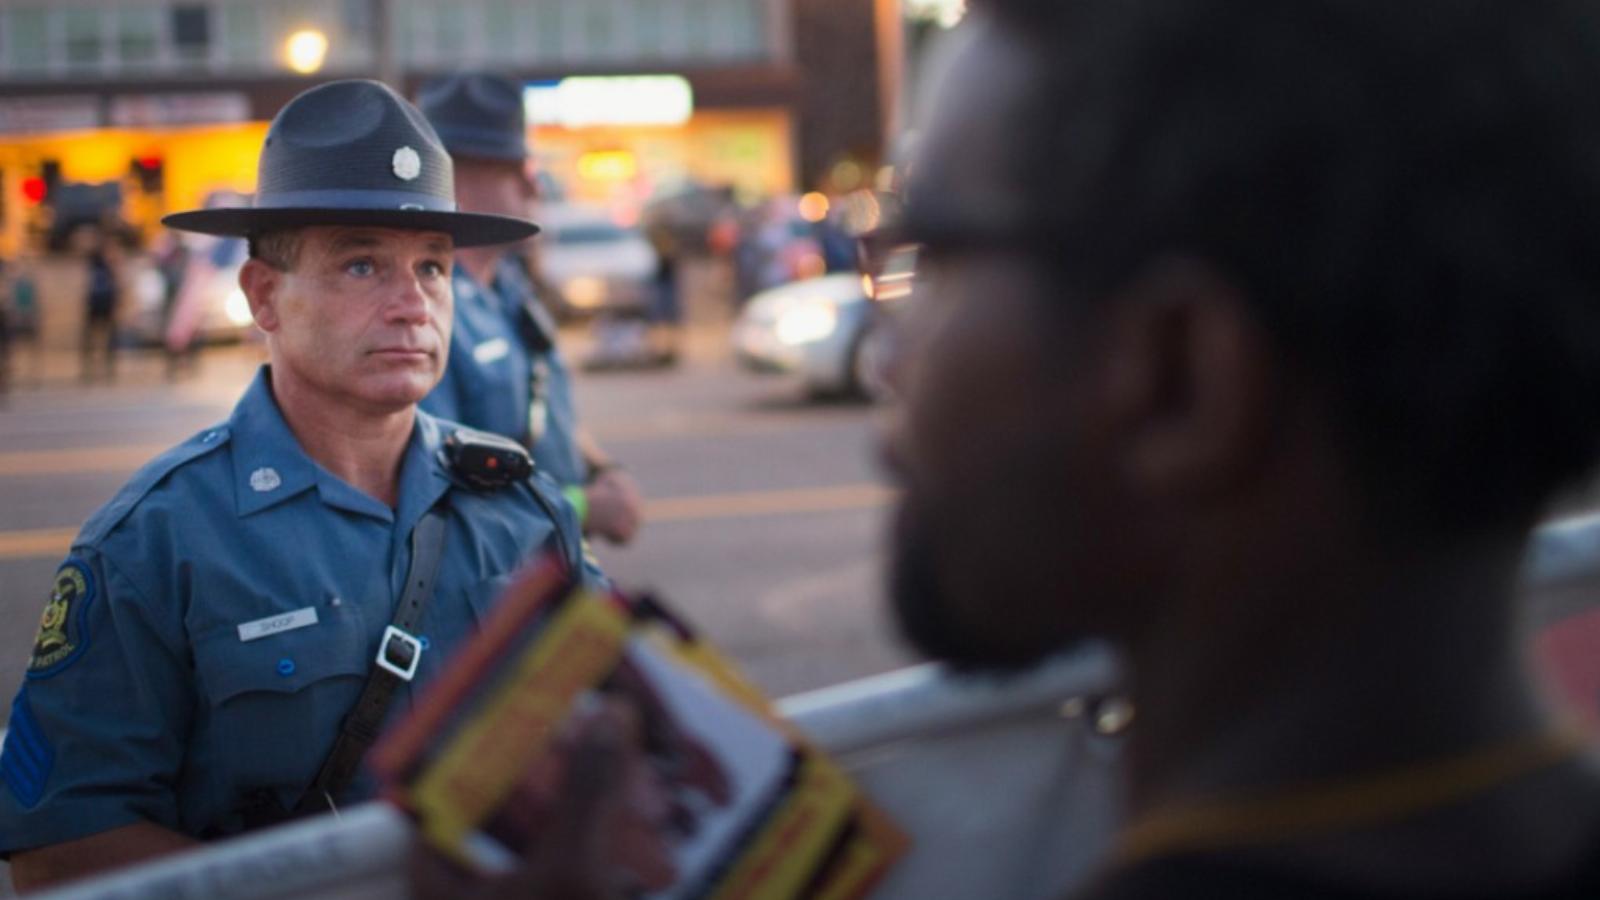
(407,164)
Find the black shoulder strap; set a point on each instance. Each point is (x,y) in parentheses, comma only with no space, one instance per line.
(571,552)
(396,663)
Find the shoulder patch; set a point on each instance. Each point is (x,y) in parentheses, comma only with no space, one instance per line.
(63,628)
(109,516)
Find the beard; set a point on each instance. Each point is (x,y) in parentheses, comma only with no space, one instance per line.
(928,612)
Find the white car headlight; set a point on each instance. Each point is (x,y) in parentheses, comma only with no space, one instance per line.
(237,308)
(805,323)
(149,288)
(585,291)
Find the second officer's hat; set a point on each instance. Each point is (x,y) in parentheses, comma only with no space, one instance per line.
(477,114)
(354,153)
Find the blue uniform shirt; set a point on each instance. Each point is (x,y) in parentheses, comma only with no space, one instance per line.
(217,619)
(500,338)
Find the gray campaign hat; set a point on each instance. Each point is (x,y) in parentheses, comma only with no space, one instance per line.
(477,114)
(354,153)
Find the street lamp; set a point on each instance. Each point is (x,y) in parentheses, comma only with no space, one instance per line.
(305,50)
(945,12)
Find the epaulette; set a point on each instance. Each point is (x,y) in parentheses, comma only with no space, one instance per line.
(143,481)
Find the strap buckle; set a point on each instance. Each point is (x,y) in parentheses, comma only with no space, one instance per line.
(399,652)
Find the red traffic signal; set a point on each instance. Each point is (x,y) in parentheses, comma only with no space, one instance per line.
(148,171)
(34,189)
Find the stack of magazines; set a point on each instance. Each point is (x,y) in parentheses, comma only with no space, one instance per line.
(728,801)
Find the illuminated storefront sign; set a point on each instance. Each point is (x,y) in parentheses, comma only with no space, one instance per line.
(608,165)
(46,115)
(144,110)
(26,115)
(588,101)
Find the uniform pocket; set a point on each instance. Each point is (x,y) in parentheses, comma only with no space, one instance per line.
(270,707)
(482,597)
(283,663)
(454,617)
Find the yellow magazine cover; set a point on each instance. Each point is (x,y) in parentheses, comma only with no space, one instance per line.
(733,803)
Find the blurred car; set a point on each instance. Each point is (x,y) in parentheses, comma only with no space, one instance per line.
(776,245)
(833,331)
(594,261)
(691,216)
(200,304)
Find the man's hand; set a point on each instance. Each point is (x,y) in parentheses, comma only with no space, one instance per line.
(581,850)
(614,506)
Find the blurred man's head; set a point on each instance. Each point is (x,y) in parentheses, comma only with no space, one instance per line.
(1242,265)
(480,119)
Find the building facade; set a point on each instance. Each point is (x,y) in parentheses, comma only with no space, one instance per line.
(168,99)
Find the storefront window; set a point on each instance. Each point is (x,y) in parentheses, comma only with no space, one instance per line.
(432,33)
(601,37)
(502,25)
(138,36)
(450,30)
(191,32)
(85,44)
(697,28)
(647,27)
(548,28)
(28,41)
(745,27)
(411,25)
(241,33)
(356,17)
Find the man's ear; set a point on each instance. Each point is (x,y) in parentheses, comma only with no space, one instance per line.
(1190,379)
(260,283)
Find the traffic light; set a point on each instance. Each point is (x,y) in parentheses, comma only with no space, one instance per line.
(49,178)
(34,190)
(149,172)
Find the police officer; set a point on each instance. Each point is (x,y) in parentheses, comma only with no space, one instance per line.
(506,374)
(218,620)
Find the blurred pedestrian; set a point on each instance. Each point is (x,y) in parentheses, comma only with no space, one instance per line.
(98,336)
(836,243)
(506,373)
(172,258)
(22,292)
(665,311)
(5,331)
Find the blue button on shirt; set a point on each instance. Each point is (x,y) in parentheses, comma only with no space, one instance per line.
(154,708)
(486,384)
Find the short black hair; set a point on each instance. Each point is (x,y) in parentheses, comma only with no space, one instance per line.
(1408,193)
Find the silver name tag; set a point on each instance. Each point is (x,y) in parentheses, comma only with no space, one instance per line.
(491,350)
(278,624)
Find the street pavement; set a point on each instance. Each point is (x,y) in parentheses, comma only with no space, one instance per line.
(763,521)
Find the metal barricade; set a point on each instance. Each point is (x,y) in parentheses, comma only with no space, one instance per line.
(1005,786)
